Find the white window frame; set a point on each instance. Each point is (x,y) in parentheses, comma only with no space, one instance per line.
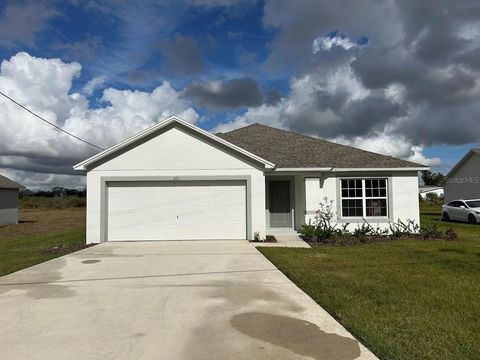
(364,198)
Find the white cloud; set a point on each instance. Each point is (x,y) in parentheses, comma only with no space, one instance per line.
(94,84)
(44,86)
(325,43)
(327,100)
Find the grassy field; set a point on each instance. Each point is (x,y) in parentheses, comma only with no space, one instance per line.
(41,235)
(405,299)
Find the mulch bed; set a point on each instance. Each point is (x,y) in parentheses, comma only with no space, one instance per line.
(352,240)
(268,239)
(65,249)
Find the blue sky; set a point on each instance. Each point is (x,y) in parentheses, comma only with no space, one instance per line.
(383,77)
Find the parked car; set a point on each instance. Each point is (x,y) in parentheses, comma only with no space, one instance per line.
(462,210)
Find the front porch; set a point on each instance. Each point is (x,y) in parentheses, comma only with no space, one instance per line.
(284,204)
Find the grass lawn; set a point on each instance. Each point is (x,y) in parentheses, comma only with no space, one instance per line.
(405,299)
(41,235)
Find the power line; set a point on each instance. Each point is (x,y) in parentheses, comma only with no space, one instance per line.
(48,122)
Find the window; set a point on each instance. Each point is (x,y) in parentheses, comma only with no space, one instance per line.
(364,197)
(456,203)
(473,204)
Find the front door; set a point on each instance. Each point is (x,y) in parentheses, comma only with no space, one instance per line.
(279,204)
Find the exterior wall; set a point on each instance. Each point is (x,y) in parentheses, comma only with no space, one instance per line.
(465,182)
(174,155)
(8,206)
(403,196)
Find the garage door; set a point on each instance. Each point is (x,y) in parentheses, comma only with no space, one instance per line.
(181,210)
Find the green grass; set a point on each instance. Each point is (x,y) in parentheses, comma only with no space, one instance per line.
(17,253)
(405,299)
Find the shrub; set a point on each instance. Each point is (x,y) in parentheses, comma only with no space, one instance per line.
(430,231)
(399,228)
(308,231)
(450,235)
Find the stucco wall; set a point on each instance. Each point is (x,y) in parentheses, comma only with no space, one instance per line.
(8,206)
(465,182)
(174,154)
(403,198)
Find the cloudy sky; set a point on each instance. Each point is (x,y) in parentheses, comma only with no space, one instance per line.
(397,77)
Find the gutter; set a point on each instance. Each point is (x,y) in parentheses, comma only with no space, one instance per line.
(331,169)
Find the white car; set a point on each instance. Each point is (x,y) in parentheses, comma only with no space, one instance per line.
(462,210)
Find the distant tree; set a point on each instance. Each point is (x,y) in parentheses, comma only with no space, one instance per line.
(57,192)
(433,179)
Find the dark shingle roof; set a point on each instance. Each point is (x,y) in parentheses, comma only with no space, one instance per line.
(289,150)
(6,183)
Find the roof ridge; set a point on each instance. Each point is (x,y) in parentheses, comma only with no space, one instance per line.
(325,141)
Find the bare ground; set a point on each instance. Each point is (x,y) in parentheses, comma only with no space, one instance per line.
(44,221)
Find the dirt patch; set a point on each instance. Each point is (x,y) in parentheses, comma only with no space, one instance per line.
(42,221)
(299,336)
(66,249)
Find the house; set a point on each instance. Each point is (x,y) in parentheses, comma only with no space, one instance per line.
(175,181)
(8,201)
(423,191)
(463,180)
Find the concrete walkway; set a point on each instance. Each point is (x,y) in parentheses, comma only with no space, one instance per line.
(165,300)
(291,241)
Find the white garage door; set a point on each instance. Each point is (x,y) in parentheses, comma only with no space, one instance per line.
(182,210)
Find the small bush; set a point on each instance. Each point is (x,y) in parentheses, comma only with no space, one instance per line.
(308,231)
(400,229)
(450,235)
(430,231)
(325,230)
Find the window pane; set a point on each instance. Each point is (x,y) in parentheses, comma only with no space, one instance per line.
(375,188)
(376,207)
(352,208)
(351,188)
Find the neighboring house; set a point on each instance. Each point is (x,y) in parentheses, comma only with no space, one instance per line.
(8,201)
(175,181)
(463,181)
(425,190)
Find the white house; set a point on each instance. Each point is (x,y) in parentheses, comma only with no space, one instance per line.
(8,201)
(423,191)
(175,181)
(463,181)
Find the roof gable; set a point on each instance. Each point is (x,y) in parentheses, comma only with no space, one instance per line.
(6,183)
(135,140)
(471,152)
(290,150)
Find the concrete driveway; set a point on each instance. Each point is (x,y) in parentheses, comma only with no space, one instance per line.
(165,300)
